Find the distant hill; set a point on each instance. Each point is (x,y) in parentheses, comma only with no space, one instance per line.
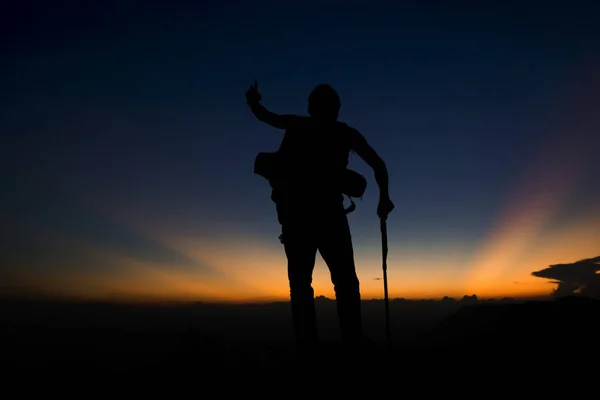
(568,323)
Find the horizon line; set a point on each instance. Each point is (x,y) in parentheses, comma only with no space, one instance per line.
(175,302)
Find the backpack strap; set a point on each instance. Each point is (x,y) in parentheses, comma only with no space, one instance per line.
(351,207)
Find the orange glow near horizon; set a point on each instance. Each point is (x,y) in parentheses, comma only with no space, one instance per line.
(245,270)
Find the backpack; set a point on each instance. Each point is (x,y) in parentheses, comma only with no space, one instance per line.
(271,165)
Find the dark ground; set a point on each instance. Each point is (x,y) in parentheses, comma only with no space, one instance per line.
(61,337)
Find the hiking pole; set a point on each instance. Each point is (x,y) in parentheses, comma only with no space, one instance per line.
(384,251)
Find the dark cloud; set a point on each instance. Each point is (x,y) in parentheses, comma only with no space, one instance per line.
(581,276)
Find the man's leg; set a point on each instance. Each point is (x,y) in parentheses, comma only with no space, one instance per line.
(335,246)
(301,251)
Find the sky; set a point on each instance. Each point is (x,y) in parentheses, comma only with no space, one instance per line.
(127,148)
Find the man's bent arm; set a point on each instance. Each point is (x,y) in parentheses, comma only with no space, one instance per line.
(266,116)
(368,154)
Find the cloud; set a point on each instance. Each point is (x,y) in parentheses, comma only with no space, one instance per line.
(581,276)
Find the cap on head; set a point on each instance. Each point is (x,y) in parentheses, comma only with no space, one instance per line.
(324,102)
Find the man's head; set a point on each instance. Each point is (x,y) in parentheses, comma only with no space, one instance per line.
(324,103)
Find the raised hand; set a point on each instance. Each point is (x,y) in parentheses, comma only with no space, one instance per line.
(384,207)
(252,94)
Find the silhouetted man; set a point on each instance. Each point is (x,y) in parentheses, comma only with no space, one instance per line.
(306,185)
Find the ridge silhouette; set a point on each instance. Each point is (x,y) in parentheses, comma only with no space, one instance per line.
(309,178)
(55,337)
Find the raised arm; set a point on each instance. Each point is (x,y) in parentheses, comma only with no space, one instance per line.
(280,121)
(368,154)
(253,98)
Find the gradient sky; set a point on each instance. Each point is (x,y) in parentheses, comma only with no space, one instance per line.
(127,149)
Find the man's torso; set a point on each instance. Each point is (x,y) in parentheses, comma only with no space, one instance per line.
(313,155)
